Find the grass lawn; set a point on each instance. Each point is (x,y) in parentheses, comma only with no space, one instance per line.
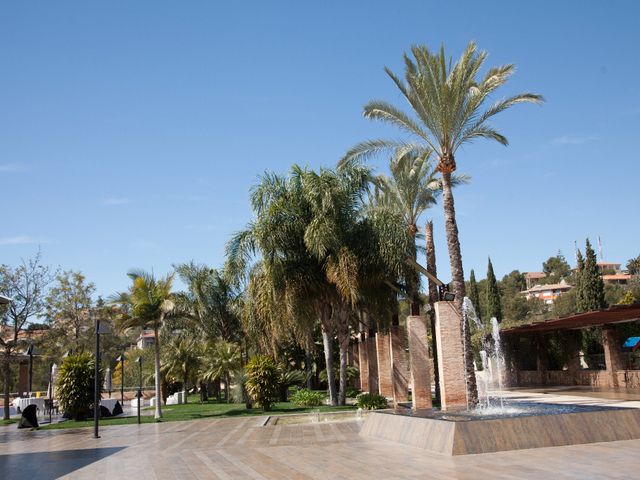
(8,422)
(195,410)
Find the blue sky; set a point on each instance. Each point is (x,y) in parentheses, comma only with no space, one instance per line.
(130,132)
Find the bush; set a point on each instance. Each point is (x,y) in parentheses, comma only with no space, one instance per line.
(352,392)
(371,401)
(263,381)
(308,398)
(75,384)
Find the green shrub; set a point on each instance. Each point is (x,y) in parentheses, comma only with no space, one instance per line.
(75,384)
(308,398)
(352,392)
(262,381)
(371,401)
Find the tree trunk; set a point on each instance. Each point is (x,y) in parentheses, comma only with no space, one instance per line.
(184,386)
(227,387)
(344,336)
(6,371)
(327,340)
(457,277)
(308,360)
(433,298)
(158,413)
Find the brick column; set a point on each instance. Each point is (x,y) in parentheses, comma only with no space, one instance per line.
(399,364)
(453,386)
(363,361)
(419,361)
(23,378)
(372,355)
(612,355)
(385,381)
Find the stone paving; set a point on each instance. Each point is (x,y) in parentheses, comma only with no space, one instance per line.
(237,448)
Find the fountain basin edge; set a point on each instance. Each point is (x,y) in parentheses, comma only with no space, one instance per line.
(501,434)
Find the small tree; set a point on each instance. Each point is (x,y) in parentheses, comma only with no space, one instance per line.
(633,266)
(494,304)
(474,295)
(591,285)
(75,384)
(262,381)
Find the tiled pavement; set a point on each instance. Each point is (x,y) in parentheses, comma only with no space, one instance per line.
(243,448)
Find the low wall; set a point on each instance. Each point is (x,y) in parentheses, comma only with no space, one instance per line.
(592,378)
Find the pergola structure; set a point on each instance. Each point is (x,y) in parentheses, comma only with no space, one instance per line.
(616,373)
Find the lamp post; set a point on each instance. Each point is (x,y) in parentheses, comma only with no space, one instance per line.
(101,329)
(31,351)
(121,359)
(139,395)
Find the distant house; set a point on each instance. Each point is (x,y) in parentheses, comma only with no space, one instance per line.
(146,339)
(547,293)
(612,273)
(532,278)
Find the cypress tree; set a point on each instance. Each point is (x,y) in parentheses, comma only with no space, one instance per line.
(474,296)
(494,305)
(592,286)
(578,281)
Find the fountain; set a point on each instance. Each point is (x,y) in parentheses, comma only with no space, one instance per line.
(498,424)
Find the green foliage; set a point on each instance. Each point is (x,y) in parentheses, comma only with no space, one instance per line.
(627,299)
(352,374)
(308,398)
(262,380)
(352,392)
(565,304)
(474,295)
(591,293)
(633,265)
(75,385)
(371,401)
(556,268)
(494,304)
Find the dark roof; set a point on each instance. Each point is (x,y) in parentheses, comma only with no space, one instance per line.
(617,314)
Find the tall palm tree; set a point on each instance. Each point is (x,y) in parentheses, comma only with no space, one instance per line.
(448,103)
(219,360)
(412,187)
(181,360)
(146,305)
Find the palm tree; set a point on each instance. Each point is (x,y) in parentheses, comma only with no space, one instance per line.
(448,105)
(219,360)
(181,360)
(146,305)
(413,187)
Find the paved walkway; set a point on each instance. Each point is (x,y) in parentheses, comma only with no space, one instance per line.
(242,448)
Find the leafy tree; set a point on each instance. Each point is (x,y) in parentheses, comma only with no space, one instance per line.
(556,268)
(181,360)
(592,296)
(633,266)
(448,105)
(219,360)
(262,380)
(578,280)
(26,285)
(68,305)
(494,304)
(627,299)
(565,304)
(146,305)
(75,385)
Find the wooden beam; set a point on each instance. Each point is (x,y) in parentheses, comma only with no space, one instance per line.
(412,263)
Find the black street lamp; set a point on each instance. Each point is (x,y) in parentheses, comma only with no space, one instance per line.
(121,359)
(101,329)
(139,395)
(31,351)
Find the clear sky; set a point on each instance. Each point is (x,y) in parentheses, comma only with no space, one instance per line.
(130,132)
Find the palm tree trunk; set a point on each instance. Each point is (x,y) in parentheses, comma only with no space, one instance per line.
(343,341)
(457,277)
(327,340)
(433,298)
(308,359)
(227,387)
(6,371)
(184,383)
(158,413)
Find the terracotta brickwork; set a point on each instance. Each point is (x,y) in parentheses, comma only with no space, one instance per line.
(419,360)
(612,355)
(385,380)
(372,355)
(399,364)
(364,363)
(453,389)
